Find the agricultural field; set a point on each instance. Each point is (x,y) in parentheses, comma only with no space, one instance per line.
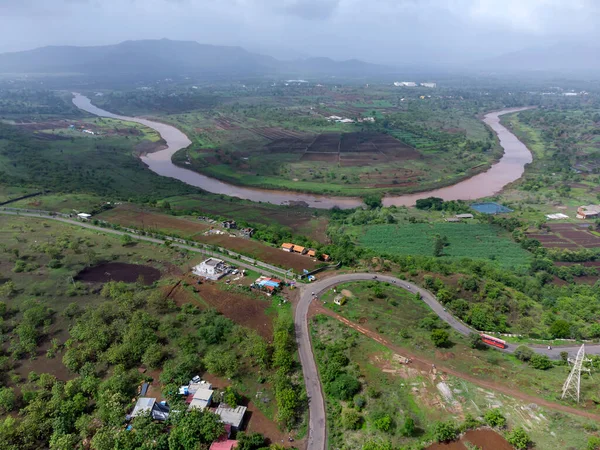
(286,142)
(67,290)
(462,240)
(193,229)
(389,401)
(570,236)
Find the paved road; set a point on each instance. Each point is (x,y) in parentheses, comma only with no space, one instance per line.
(174,242)
(317,438)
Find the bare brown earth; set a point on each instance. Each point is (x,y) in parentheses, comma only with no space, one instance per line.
(422,363)
(485,439)
(567,235)
(243,310)
(255,420)
(115,271)
(131,216)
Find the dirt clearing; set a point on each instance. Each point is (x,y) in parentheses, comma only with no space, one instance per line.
(113,271)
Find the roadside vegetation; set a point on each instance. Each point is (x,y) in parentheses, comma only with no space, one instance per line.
(73,348)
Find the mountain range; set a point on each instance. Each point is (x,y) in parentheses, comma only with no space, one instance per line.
(165,57)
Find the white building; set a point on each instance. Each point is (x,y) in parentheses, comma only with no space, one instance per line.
(231,416)
(405,83)
(202,395)
(429,85)
(211,268)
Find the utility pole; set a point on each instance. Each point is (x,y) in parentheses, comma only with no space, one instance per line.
(571,388)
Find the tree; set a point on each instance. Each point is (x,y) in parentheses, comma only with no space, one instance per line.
(344,387)
(540,362)
(495,419)
(195,427)
(440,338)
(351,419)
(8,399)
(445,431)
(519,439)
(126,240)
(438,247)
(523,353)
(250,441)
(373,201)
(231,397)
(560,329)
(475,341)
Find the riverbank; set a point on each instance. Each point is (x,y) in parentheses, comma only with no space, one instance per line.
(509,169)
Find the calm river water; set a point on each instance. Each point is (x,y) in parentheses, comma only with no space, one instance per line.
(510,168)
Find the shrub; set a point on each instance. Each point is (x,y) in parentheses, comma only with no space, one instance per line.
(540,362)
(351,419)
(445,431)
(8,399)
(383,423)
(344,387)
(523,353)
(518,438)
(495,419)
(560,329)
(408,429)
(440,338)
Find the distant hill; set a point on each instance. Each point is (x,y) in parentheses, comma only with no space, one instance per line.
(560,58)
(163,57)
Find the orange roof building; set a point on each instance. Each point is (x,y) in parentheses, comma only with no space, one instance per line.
(299,249)
(287,246)
(312,253)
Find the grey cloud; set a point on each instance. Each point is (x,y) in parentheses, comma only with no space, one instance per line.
(311,9)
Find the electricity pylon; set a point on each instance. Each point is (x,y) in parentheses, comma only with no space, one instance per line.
(571,386)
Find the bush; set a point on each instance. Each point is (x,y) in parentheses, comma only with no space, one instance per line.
(8,400)
(540,362)
(445,431)
(593,443)
(518,438)
(523,353)
(344,387)
(408,429)
(495,419)
(440,338)
(475,341)
(560,329)
(383,423)
(351,419)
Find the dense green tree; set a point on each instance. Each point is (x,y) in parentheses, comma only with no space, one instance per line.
(344,387)
(440,338)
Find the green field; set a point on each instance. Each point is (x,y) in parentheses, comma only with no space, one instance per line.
(475,241)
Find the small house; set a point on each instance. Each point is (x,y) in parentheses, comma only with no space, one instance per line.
(229,224)
(202,397)
(464,216)
(227,444)
(286,246)
(588,211)
(312,253)
(231,416)
(452,219)
(247,232)
(211,268)
(158,410)
(84,216)
(299,249)
(325,257)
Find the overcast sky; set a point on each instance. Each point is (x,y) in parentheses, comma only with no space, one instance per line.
(385,31)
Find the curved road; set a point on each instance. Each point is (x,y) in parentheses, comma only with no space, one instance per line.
(317,430)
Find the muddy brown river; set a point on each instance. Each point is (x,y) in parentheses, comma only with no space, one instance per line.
(510,168)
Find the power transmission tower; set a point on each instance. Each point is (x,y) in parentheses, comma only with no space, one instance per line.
(571,386)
